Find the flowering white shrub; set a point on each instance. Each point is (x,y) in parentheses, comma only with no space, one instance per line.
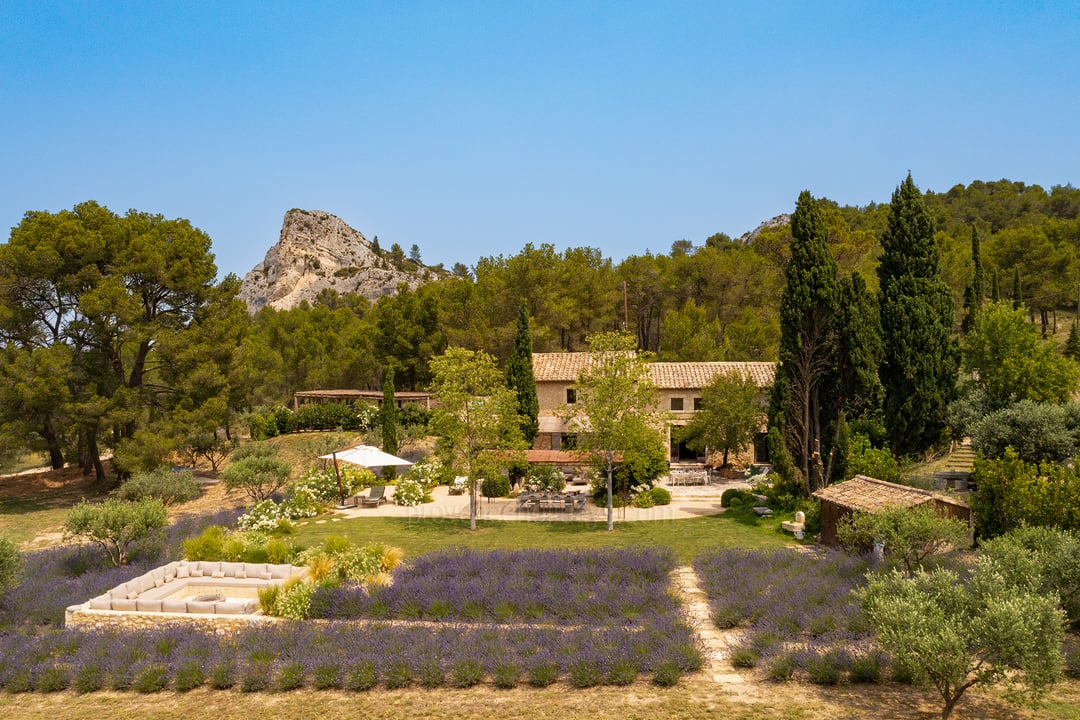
(367,417)
(263,517)
(428,473)
(294,600)
(410,492)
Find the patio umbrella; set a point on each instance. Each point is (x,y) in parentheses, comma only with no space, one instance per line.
(365,455)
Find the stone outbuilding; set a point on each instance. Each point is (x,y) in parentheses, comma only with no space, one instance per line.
(870,495)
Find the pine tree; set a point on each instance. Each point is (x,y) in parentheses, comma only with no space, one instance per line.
(919,368)
(808,310)
(520,378)
(1072,345)
(389,420)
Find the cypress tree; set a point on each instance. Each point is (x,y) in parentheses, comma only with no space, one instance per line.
(995,288)
(977,277)
(808,311)
(389,420)
(520,378)
(970,310)
(916,307)
(1018,296)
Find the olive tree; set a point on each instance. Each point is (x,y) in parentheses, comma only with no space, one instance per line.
(910,535)
(258,472)
(954,635)
(115,524)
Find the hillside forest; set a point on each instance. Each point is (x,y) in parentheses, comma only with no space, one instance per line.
(117,335)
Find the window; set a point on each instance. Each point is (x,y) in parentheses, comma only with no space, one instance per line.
(571,396)
(697,403)
(676,403)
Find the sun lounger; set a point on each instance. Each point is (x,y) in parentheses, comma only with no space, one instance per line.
(375,497)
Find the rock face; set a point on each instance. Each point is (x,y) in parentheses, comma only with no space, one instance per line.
(319,251)
(779,220)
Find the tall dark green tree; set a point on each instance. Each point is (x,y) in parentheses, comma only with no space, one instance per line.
(995,286)
(916,306)
(977,289)
(855,390)
(808,310)
(520,378)
(389,419)
(1018,294)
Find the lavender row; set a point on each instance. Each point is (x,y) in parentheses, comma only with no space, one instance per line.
(783,592)
(626,586)
(340,655)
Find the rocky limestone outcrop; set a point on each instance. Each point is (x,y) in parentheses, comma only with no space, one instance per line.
(778,221)
(318,251)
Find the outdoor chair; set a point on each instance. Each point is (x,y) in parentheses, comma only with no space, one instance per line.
(375,497)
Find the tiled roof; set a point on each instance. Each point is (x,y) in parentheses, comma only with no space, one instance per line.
(867,494)
(565,367)
(693,375)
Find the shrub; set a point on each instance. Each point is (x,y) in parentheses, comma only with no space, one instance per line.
(11,564)
(543,674)
(115,524)
(163,483)
(258,475)
(52,678)
(326,416)
(89,678)
(189,676)
(326,677)
(544,478)
(584,673)
(660,496)
(744,657)
(667,674)
(736,496)
(506,675)
(207,546)
(408,492)
(361,676)
(466,673)
(495,487)
(291,676)
(151,678)
(781,667)
(294,601)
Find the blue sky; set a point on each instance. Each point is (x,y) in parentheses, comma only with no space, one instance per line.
(472,128)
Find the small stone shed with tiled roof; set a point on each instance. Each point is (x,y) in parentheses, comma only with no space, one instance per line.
(678,390)
(867,494)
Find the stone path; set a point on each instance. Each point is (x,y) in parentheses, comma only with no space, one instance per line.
(715,642)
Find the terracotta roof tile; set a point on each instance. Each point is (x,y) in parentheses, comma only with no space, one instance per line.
(867,494)
(565,367)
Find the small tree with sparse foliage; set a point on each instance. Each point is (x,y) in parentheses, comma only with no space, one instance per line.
(910,535)
(115,524)
(954,635)
(257,471)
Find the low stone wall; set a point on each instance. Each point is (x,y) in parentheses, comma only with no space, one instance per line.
(151,598)
(80,616)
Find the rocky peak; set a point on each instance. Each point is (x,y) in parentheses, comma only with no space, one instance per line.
(318,251)
(778,221)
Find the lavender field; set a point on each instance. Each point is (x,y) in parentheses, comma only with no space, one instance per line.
(794,613)
(451,619)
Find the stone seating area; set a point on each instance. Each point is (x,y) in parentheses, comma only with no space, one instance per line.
(196,587)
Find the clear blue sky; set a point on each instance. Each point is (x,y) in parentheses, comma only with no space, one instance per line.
(472,128)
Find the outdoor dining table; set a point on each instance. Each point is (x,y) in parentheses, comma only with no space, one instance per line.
(572,501)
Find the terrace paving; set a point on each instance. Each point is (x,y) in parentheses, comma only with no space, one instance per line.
(686,502)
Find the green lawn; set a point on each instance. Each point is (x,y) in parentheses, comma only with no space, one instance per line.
(22,520)
(686,537)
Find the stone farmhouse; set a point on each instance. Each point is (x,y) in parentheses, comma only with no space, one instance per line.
(678,390)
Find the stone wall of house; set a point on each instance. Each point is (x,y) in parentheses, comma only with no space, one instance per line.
(82,617)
